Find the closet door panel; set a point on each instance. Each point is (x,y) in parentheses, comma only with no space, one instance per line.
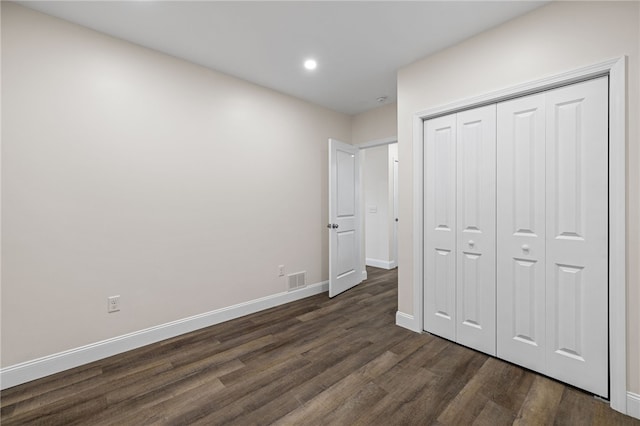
(476,219)
(577,235)
(440,226)
(521,231)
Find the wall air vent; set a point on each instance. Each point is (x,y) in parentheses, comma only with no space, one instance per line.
(297,280)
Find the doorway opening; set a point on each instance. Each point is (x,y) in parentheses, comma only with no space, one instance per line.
(379,204)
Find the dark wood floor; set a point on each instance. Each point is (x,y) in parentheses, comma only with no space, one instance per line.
(318,361)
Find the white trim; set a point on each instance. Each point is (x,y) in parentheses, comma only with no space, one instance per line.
(617,235)
(377,263)
(378,142)
(364,275)
(407,321)
(616,69)
(51,364)
(418,231)
(633,405)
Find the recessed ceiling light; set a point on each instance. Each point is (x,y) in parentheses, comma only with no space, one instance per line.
(310,64)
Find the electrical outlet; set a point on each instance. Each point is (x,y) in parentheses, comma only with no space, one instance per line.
(113,304)
(281,270)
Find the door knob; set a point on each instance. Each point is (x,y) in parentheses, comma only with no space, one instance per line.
(334,226)
(525,248)
(329,225)
(472,243)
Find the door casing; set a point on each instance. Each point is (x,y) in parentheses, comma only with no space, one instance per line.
(363,146)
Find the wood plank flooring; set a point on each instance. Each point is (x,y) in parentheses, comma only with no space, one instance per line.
(340,361)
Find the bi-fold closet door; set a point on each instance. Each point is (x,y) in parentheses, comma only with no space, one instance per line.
(459,203)
(516,231)
(552,234)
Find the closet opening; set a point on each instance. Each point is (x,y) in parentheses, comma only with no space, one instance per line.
(571,272)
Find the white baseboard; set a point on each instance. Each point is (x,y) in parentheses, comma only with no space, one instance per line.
(633,405)
(364,275)
(51,364)
(376,263)
(407,321)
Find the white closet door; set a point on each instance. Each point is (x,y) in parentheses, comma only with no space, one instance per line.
(440,226)
(476,224)
(577,236)
(521,231)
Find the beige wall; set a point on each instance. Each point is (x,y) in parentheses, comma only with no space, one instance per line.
(375,162)
(558,37)
(377,123)
(126,171)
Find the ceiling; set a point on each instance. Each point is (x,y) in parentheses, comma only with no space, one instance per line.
(359,45)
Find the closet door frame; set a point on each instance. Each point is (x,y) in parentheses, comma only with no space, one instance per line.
(616,70)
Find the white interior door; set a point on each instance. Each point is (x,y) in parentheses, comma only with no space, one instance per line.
(476,229)
(521,231)
(577,235)
(440,226)
(344,217)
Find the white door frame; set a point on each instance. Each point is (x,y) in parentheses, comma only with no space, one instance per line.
(394,237)
(362,146)
(616,70)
